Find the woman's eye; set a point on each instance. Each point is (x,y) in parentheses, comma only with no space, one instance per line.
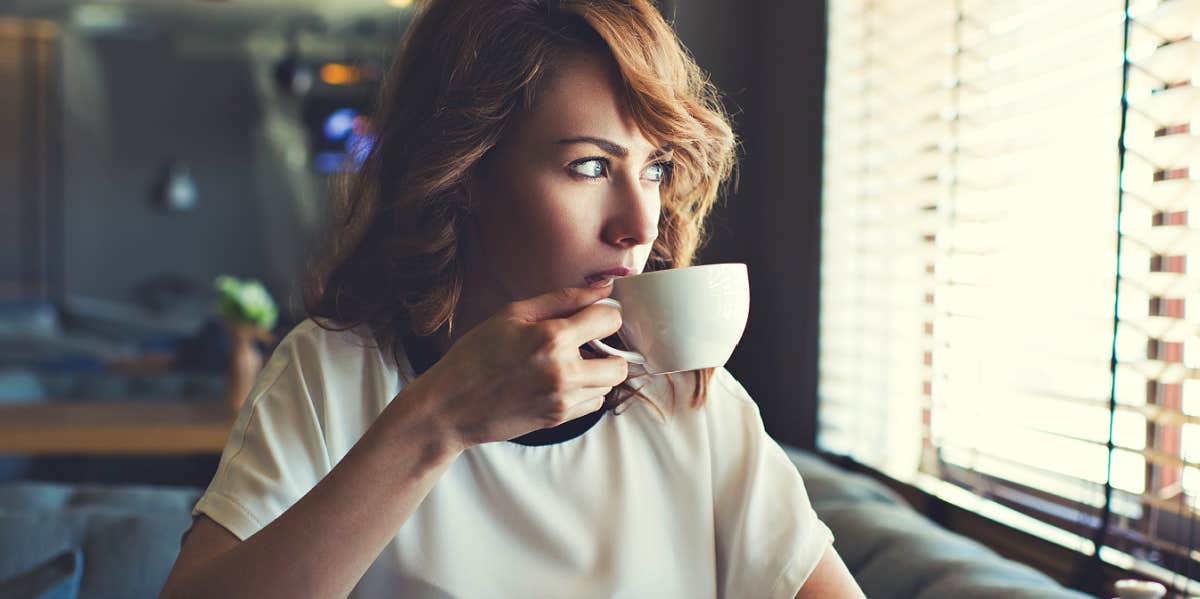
(591,168)
(656,172)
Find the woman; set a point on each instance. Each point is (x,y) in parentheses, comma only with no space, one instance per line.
(434,430)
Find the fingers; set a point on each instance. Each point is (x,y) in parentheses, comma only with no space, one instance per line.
(560,302)
(602,372)
(592,322)
(585,401)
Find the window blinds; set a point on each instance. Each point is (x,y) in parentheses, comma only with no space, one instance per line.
(972,259)
(1157,357)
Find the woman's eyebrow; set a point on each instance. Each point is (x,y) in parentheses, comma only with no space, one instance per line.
(610,146)
(604,144)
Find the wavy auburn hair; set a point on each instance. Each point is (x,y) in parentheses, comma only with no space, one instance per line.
(465,71)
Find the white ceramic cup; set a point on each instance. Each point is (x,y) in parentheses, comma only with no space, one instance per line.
(682,318)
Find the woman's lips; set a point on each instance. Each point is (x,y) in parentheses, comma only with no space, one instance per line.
(602,277)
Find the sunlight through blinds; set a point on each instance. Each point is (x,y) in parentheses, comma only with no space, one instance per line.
(969,275)
(1158,358)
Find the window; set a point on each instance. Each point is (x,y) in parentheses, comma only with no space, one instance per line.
(1009,219)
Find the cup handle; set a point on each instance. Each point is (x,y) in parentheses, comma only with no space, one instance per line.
(630,356)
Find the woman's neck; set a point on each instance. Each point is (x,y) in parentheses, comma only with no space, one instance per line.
(482,295)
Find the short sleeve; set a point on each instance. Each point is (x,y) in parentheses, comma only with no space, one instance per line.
(769,538)
(276,450)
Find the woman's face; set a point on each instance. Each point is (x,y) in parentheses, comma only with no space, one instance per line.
(570,196)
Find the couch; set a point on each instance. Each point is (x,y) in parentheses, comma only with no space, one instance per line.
(895,552)
(119,541)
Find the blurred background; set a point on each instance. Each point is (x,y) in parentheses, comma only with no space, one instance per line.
(968,226)
(151,147)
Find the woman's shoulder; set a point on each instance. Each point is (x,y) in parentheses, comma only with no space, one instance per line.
(326,334)
(328,343)
(312,361)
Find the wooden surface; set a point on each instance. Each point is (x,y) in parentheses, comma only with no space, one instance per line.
(114,427)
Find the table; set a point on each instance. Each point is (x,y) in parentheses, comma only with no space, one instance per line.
(147,427)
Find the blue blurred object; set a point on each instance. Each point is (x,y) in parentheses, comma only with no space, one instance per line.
(28,316)
(20,385)
(340,124)
(57,577)
(344,141)
(129,535)
(88,334)
(25,386)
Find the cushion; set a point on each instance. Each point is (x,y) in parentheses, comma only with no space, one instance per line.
(895,552)
(869,531)
(29,540)
(132,553)
(994,582)
(828,485)
(129,535)
(56,578)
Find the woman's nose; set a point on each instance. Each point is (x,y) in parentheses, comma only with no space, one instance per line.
(633,220)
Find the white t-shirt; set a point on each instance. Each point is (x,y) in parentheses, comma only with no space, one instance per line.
(699,504)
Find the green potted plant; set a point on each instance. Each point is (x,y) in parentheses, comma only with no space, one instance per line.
(249,315)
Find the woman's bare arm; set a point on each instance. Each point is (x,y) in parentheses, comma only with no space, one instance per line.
(830,579)
(518,371)
(322,545)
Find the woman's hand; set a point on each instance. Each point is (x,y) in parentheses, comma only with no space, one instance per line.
(521,370)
